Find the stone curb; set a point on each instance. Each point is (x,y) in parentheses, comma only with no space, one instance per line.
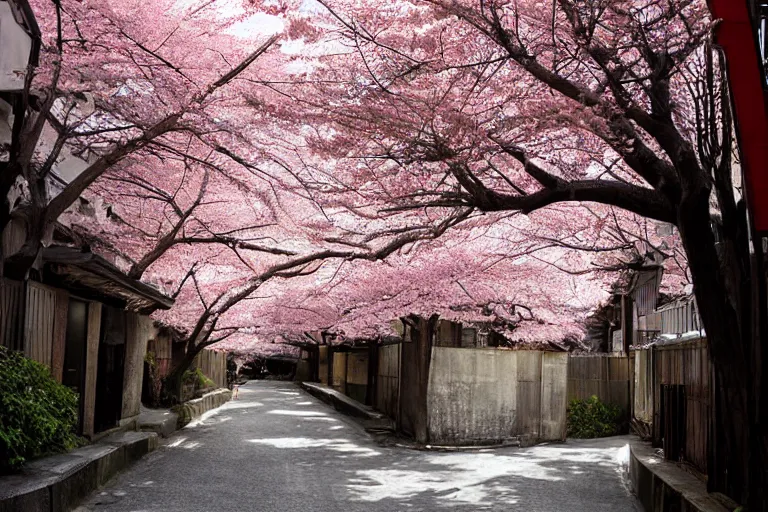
(340,402)
(661,485)
(58,483)
(192,409)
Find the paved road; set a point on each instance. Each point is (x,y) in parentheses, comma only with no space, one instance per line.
(277,448)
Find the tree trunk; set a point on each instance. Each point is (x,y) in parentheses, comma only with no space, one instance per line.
(725,294)
(173,381)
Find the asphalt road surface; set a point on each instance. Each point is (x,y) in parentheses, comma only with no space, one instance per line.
(276,448)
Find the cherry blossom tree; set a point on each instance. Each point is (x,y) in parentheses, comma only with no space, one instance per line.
(146,74)
(508,106)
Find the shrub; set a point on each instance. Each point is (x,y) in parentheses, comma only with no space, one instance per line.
(592,418)
(196,377)
(38,415)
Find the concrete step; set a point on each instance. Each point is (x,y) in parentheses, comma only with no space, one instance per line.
(341,402)
(59,482)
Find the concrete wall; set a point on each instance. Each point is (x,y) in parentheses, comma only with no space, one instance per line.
(554,401)
(486,395)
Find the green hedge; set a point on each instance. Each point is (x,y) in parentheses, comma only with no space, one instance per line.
(38,415)
(592,418)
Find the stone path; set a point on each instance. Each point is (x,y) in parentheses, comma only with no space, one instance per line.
(276,448)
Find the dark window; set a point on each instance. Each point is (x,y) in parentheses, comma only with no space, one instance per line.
(74,353)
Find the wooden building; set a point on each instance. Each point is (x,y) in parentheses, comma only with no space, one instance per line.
(90,324)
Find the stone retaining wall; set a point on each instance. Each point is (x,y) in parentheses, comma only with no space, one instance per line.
(195,408)
(662,486)
(59,482)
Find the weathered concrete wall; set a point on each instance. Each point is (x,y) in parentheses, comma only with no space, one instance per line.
(138,329)
(388,380)
(192,409)
(489,396)
(554,402)
(469,397)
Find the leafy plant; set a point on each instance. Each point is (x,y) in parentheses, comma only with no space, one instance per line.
(37,414)
(196,377)
(590,418)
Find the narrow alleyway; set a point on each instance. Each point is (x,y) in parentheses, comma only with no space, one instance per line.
(278,449)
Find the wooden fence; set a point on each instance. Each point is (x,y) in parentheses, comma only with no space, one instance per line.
(675,318)
(214,365)
(11,314)
(387,380)
(33,320)
(607,376)
(685,364)
(38,322)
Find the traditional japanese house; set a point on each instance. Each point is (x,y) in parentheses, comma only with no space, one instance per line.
(88,322)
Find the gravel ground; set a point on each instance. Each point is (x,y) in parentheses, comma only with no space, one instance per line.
(276,448)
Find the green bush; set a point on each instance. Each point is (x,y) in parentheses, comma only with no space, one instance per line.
(38,415)
(592,418)
(196,377)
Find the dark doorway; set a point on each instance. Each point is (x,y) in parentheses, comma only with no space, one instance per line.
(74,352)
(109,378)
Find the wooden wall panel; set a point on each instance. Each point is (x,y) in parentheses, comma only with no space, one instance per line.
(38,322)
(59,334)
(12,314)
(606,376)
(388,380)
(91,367)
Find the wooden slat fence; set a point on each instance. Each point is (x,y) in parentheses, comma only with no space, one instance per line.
(607,376)
(160,347)
(11,314)
(676,318)
(685,364)
(387,380)
(38,322)
(213,364)
(643,399)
